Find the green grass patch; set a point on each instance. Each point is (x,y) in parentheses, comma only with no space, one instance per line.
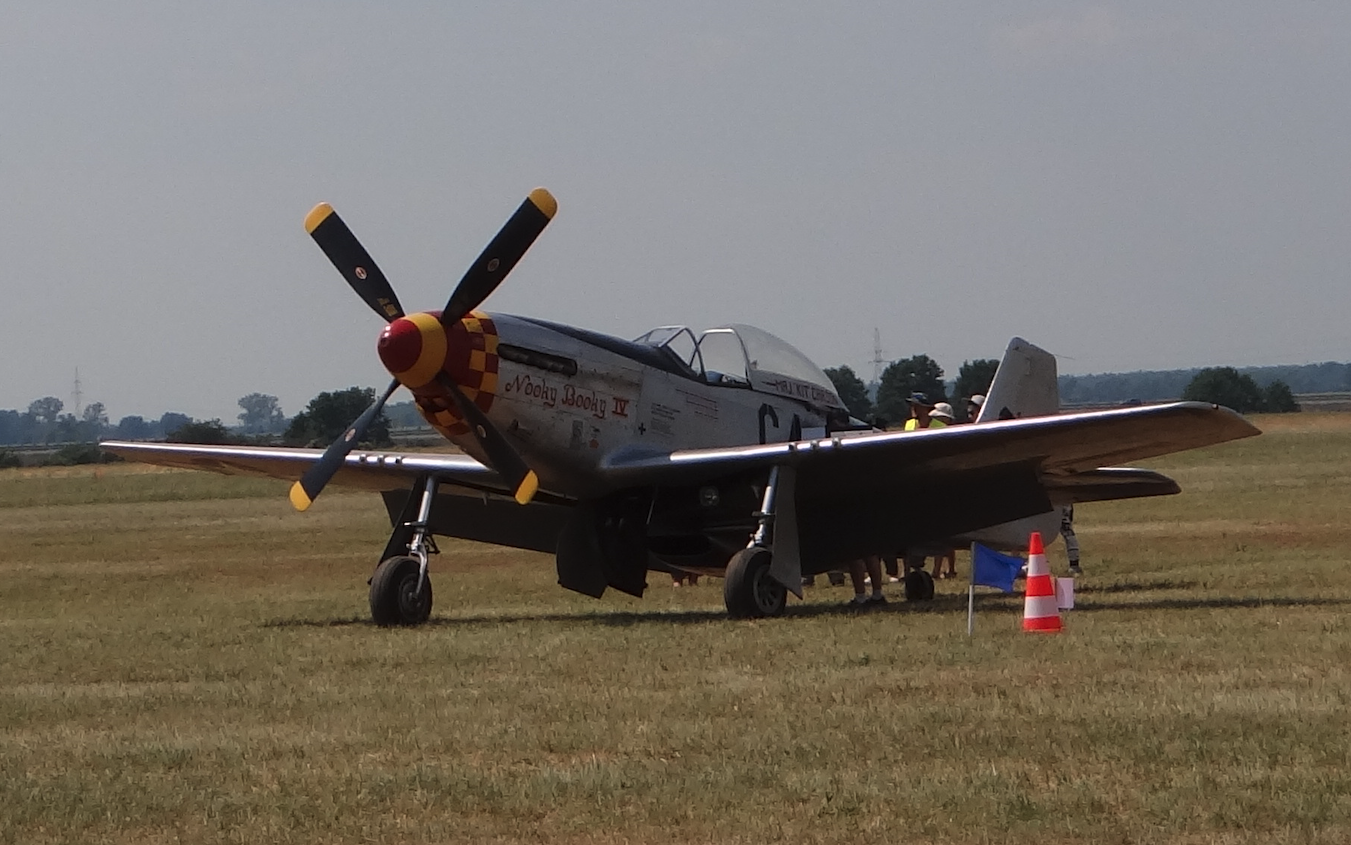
(185,659)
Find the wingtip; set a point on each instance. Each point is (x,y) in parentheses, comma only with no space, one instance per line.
(526,490)
(300,500)
(317,215)
(544,201)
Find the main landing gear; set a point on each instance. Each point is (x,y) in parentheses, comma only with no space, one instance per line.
(401,590)
(750,589)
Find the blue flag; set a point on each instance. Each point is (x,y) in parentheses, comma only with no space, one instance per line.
(991,569)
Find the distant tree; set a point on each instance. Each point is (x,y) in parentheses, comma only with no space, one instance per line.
(95,414)
(209,432)
(67,430)
(1279,399)
(974,377)
(261,414)
(46,410)
(329,414)
(172,421)
(917,374)
(133,428)
(11,426)
(853,392)
(1225,386)
(93,421)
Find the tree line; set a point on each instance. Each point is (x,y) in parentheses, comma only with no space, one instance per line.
(1161,385)
(261,419)
(885,402)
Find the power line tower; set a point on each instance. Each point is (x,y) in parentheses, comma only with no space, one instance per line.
(879,360)
(77,394)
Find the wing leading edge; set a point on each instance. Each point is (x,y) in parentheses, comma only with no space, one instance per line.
(1056,447)
(378,471)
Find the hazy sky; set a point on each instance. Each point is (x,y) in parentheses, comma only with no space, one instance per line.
(1130,185)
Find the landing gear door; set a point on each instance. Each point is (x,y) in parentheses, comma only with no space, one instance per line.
(786,565)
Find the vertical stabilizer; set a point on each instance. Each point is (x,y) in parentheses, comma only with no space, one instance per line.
(1024,385)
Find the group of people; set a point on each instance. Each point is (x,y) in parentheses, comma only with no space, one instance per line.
(866,572)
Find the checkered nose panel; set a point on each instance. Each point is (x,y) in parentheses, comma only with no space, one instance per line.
(471,360)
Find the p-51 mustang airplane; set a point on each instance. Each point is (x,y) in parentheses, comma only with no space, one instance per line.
(728,453)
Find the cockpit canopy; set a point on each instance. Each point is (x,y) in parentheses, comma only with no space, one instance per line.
(743,356)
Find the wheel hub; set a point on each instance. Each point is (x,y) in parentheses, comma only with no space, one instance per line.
(410,603)
(768,592)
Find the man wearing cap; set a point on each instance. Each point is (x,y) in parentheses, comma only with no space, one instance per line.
(973,406)
(921,413)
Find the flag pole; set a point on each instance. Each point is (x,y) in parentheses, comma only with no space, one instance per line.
(971,595)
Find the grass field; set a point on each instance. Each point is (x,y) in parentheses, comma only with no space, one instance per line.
(185,660)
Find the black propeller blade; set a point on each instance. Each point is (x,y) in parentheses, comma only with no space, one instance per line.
(307,489)
(501,457)
(482,278)
(501,254)
(352,260)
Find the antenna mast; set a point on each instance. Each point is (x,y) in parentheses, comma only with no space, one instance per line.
(878,359)
(77,394)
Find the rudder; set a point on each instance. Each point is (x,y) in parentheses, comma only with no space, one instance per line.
(1025,385)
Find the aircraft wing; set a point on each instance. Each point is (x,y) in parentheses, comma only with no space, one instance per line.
(377,471)
(1056,448)
(858,494)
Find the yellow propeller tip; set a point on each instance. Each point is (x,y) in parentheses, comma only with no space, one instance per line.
(526,491)
(300,500)
(544,201)
(317,215)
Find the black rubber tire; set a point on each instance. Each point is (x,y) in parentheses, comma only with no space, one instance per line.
(392,593)
(748,590)
(919,585)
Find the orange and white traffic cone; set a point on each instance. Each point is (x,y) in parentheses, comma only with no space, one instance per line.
(1040,612)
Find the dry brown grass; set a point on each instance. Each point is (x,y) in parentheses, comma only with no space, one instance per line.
(186,660)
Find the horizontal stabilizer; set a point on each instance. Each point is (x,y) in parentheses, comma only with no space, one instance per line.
(1108,483)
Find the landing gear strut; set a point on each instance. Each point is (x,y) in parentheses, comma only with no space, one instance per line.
(401,591)
(750,589)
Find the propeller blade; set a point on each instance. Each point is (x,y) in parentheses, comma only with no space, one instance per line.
(501,456)
(501,254)
(352,260)
(307,489)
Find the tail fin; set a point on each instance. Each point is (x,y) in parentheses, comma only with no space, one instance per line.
(1025,384)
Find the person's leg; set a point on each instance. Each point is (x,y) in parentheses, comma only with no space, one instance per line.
(1071,548)
(856,575)
(874,565)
